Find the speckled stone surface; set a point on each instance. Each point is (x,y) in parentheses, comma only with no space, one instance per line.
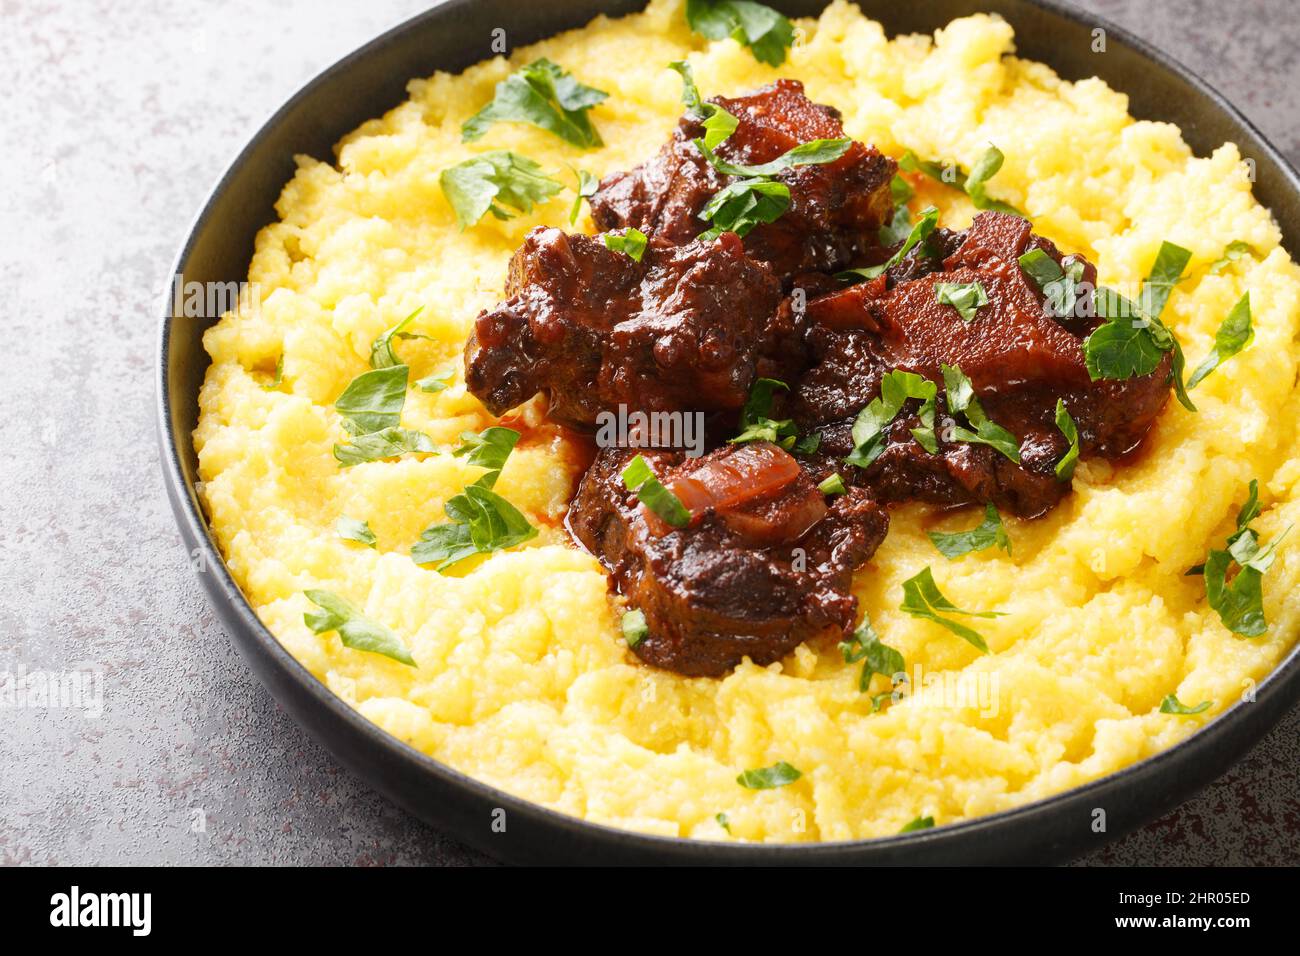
(116,120)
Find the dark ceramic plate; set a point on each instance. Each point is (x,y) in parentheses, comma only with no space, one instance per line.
(454,35)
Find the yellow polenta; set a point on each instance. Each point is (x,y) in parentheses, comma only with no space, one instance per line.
(523,679)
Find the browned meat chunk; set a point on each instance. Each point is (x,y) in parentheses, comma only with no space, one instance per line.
(764,564)
(1019,356)
(593,328)
(835,209)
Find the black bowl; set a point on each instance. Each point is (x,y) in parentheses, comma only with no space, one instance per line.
(454,35)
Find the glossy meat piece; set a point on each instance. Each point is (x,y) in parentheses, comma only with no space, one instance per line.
(835,210)
(1020,359)
(765,563)
(593,328)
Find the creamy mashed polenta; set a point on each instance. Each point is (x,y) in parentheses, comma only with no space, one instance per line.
(523,679)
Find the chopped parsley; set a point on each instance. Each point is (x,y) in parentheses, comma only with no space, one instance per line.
(1060,285)
(815,152)
(766,32)
(961,400)
(373,400)
(1133,339)
(718,123)
(755,425)
(481,522)
(833,484)
(488,449)
(385,443)
(975,182)
(355,630)
(898,227)
(1231,253)
(632,243)
(586,188)
(965,297)
(780,774)
(723,821)
(1172,705)
(495,182)
(634,628)
(542,95)
(877,658)
(350,529)
(744,204)
(1239,602)
(896,388)
(1234,335)
(640,479)
(381,349)
(278,377)
(922,598)
(920,823)
(1065,467)
(989,533)
(435,382)
(918,234)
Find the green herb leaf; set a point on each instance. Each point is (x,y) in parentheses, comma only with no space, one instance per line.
(718,123)
(481,522)
(896,387)
(780,774)
(381,349)
(435,382)
(922,598)
(350,529)
(488,449)
(1058,284)
(965,297)
(865,645)
(723,821)
(1065,467)
(373,400)
(635,628)
(1234,335)
(1166,272)
(586,188)
(816,152)
(542,95)
(961,400)
(1231,253)
(808,444)
(744,204)
(495,182)
(1240,602)
(911,163)
(1125,346)
(984,169)
(767,33)
(755,425)
(1172,705)
(989,533)
(388,443)
(975,182)
(632,243)
(278,377)
(640,479)
(355,629)
(833,484)
(918,234)
(920,823)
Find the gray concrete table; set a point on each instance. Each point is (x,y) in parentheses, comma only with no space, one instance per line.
(116,120)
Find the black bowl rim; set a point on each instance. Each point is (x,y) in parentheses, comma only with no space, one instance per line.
(194,528)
